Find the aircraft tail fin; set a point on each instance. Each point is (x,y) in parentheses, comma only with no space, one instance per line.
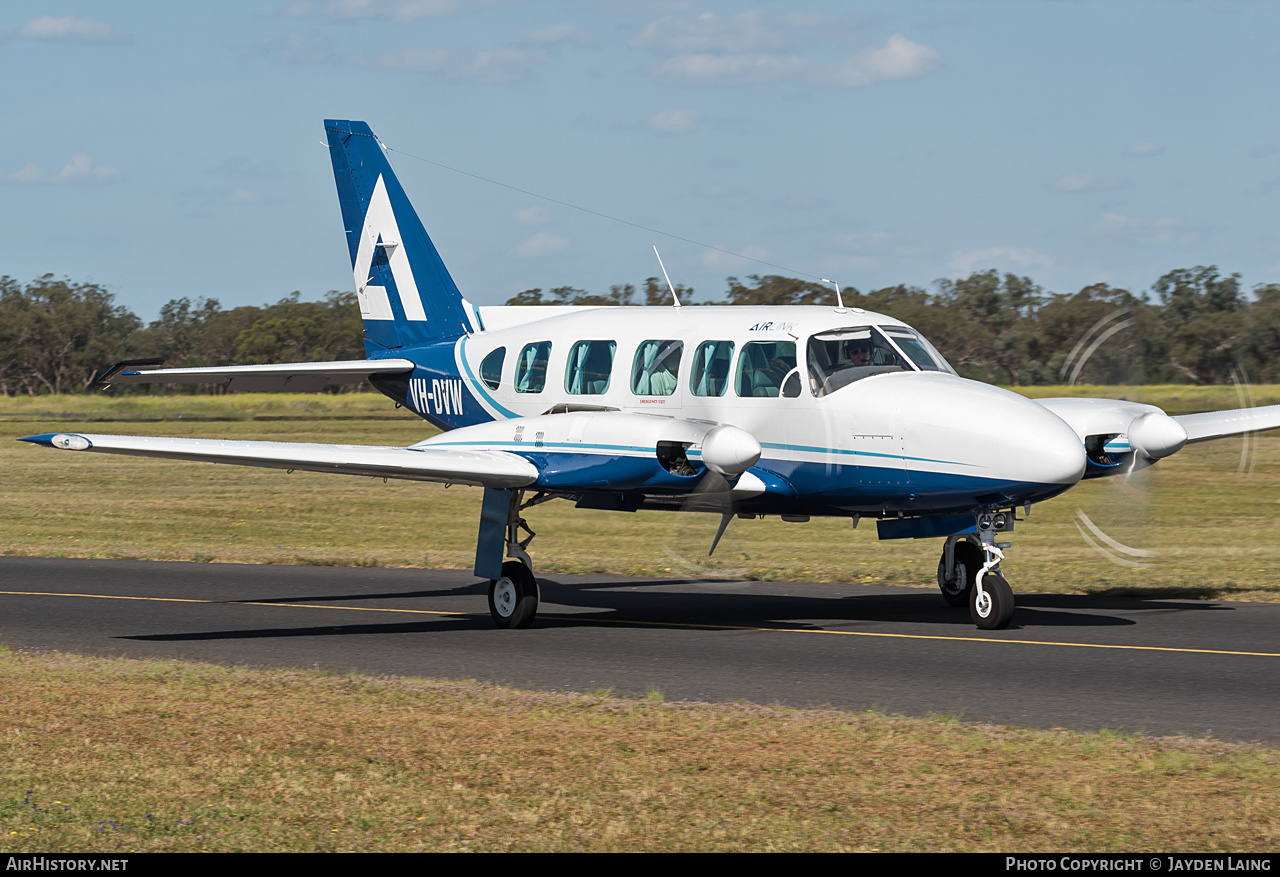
(407,297)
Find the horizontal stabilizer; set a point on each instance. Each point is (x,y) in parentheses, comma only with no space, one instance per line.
(482,468)
(1218,424)
(297,377)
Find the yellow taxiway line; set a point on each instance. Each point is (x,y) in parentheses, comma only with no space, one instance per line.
(966,639)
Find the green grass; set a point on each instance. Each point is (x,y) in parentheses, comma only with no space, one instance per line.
(108,755)
(1212,527)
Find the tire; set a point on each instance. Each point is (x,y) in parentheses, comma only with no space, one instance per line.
(513,599)
(968,562)
(997,609)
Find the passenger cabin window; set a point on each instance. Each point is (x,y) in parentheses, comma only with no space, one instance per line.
(842,356)
(710,374)
(590,364)
(531,368)
(491,368)
(768,368)
(656,366)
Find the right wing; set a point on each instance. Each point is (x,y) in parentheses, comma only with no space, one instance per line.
(1217,424)
(297,377)
(453,466)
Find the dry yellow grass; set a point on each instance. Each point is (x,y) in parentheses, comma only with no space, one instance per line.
(109,755)
(1212,527)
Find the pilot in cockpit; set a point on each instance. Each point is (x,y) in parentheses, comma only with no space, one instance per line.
(858,351)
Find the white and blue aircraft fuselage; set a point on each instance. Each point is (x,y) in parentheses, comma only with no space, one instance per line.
(743,411)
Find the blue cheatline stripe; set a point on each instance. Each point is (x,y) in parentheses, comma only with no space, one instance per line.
(813,450)
(477,385)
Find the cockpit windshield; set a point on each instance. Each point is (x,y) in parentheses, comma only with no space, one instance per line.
(839,357)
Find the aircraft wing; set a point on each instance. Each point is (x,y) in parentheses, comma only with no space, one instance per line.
(455,466)
(298,377)
(1217,424)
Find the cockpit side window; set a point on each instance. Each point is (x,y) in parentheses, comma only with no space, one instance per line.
(656,366)
(922,353)
(841,356)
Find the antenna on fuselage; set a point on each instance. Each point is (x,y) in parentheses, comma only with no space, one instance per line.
(675,298)
(840,309)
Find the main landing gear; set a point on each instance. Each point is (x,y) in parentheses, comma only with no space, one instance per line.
(969,572)
(513,591)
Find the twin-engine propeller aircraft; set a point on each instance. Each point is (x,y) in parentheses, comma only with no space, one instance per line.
(743,411)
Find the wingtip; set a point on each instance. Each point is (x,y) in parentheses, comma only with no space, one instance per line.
(60,440)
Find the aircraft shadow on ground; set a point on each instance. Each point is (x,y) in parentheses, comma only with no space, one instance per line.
(606,603)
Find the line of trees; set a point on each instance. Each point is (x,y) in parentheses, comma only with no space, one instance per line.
(1195,325)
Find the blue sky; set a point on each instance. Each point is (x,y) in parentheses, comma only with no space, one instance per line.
(174,149)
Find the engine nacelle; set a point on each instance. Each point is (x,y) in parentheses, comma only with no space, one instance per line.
(593,450)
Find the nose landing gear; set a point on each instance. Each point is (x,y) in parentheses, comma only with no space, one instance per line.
(969,572)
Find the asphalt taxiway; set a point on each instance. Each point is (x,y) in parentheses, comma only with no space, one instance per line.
(1151,665)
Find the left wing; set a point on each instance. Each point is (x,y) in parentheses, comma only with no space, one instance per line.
(455,466)
(296,377)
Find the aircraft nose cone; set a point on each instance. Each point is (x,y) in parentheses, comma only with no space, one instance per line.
(1011,444)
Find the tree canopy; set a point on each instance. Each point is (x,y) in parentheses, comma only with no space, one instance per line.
(1194,325)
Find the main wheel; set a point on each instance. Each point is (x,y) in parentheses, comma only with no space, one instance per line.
(968,562)
(994,610)
(513,599)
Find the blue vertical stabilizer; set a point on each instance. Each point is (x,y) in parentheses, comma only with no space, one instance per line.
(407,297)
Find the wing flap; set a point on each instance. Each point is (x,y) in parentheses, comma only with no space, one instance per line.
(298,377)
(481,468)
(1218,424)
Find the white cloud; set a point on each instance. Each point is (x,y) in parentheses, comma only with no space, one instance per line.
(1087,183)
(1145,147)
(532,215)
(488,66)
(675,121)
(752,48)
(965,261)
(386,10)
(539,244)
(80,170)
(744,32)
(899,59)
(709,69)
(70,29)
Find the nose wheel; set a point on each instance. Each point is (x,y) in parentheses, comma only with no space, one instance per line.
(991,606)
(969,572)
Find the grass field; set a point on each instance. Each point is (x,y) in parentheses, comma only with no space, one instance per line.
(111,755)
(1210,523)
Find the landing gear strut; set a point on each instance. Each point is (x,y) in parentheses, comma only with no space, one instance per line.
(969,572)
(513,591)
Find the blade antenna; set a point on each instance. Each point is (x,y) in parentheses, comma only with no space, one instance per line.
(675,298)
(839,298)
